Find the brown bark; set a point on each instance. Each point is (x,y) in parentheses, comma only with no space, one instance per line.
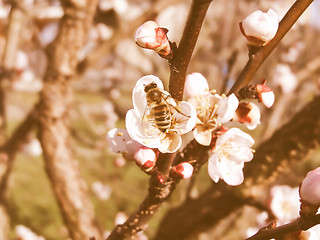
(182,55)
(290,144)
(54,132)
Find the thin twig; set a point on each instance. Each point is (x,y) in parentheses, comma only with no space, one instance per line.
(300,224)
(182,55)
(256,60)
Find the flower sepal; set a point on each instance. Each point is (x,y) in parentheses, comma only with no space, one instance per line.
(308,210)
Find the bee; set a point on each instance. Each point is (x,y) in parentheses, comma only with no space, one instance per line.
(159,108)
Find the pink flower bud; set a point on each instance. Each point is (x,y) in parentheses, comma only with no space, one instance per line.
(149,35)
(195,85)
(310,188)
(265,95)
(259,27)
(145,158)
(248,114)
(184,170)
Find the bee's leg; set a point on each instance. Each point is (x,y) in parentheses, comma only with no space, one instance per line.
(179,111)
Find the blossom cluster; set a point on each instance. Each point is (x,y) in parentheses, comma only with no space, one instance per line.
(158,121)
(153,127)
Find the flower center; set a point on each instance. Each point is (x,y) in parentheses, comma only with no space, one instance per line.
(207,113)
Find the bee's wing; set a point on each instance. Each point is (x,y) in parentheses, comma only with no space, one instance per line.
(148,117)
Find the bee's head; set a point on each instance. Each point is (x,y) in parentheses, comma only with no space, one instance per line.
(150,86)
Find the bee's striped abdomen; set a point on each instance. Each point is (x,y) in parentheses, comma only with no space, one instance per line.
(162,116)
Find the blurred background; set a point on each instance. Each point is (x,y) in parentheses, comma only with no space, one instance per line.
(109,66)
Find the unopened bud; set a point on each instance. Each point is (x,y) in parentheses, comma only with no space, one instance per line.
(195,85)
(310,188)
(265,95)
(183,170)
(151,36)
(145,158)
(259,27)
(248,114)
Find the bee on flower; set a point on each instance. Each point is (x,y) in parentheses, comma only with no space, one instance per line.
(157,120)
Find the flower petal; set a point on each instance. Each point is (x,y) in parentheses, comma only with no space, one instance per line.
(261,25)
(142,132)
(202,135)
(241,154)
(185,122)
(196,85)
(240,137)
(170,142)
(138,94)
(231,172)
(213,170)
(227,108)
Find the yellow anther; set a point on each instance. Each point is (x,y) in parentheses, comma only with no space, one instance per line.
(119,134)
(223,95)
(213,91)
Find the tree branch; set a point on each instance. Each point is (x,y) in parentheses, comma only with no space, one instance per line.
(182,55)
(300,224)
(54,132)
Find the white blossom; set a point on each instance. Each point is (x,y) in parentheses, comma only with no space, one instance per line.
(212,111)
(101,190)
(284,77)
(312,233)
(259,27)
(141,125)
(285,203)
(48,33)
(231,151)
(120,142)
(120,218)
(25,233)
(33,147)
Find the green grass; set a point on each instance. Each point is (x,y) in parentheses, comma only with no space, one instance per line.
(32,201)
